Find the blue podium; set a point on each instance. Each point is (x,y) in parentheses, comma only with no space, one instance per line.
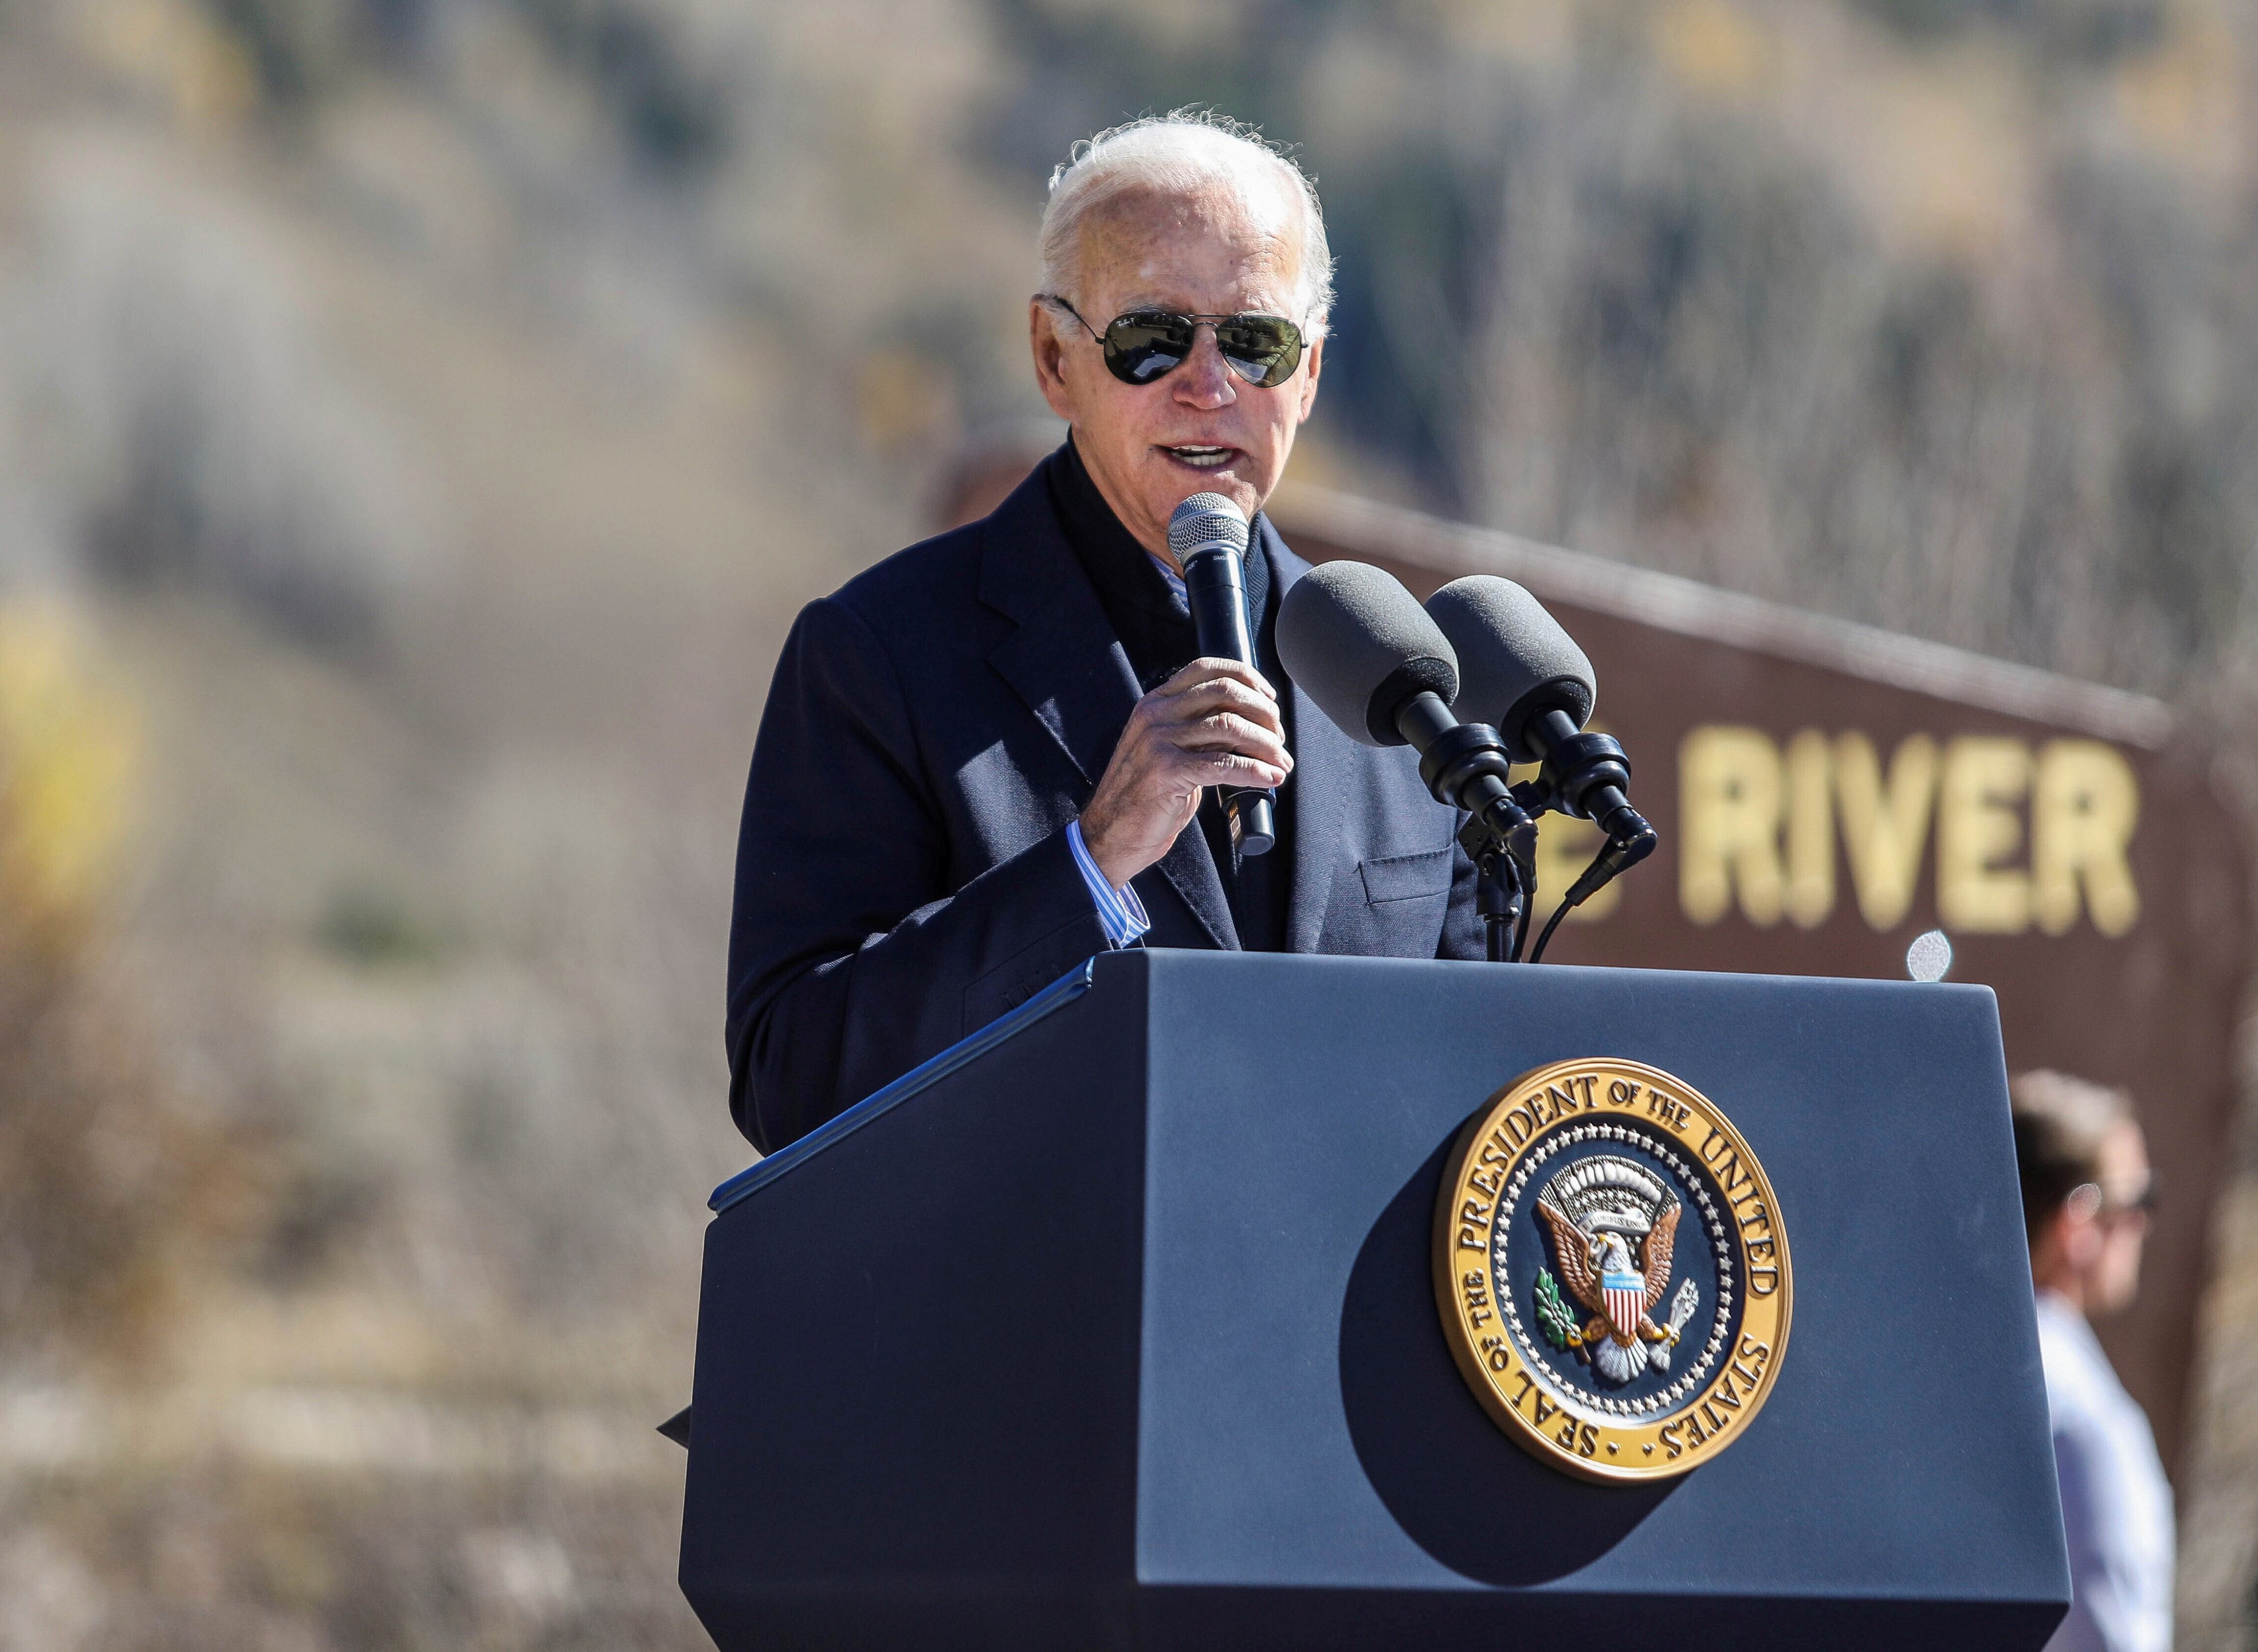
(1115,1327)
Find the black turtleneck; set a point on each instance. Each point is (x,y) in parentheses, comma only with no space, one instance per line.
(1156,632)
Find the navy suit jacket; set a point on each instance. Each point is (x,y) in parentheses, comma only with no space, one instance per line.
(903,873)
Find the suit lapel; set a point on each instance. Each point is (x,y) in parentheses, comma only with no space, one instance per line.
(1074,676)
(1324,761)
(1189,869)
(1324,758)
(1064,661)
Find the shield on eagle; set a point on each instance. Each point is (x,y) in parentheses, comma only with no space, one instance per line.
(1623,1288)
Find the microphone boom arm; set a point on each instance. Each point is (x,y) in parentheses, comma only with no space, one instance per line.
(1465,767)
(1585,776)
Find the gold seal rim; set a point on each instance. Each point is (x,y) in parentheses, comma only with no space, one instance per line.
(1608,1452)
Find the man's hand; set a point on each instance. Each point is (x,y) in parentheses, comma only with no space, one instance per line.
(1215,723)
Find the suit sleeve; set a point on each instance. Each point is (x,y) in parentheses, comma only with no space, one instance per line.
(851,957)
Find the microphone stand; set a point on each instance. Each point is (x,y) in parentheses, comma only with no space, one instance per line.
(1507,886)
(1465,765)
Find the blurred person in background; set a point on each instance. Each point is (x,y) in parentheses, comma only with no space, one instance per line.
(995,754)
(2087,1193)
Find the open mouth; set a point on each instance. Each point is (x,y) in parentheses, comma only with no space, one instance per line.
(1201,458)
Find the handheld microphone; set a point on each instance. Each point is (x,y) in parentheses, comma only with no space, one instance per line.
(1207,534)
(1522,672)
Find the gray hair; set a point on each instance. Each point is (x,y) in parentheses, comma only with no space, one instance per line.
(1181,152)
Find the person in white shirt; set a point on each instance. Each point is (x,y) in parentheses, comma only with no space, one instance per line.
(2087,1193)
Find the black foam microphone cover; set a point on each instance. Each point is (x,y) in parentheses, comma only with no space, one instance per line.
(1515,661)
(1360,645)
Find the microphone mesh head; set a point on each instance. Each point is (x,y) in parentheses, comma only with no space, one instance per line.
(1515,661)
(1206,522)
(1360,646)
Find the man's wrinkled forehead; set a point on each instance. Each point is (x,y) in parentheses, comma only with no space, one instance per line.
(1145,243)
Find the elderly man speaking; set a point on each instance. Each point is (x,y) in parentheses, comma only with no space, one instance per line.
(995,754)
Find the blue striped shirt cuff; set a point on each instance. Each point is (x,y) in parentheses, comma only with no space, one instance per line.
(1119,909)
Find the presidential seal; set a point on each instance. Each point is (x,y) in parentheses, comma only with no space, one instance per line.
(1612,1271)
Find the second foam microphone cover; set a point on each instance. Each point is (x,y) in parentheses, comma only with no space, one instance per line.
(1514,661)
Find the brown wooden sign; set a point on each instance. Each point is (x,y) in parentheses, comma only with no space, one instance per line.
(1826,792)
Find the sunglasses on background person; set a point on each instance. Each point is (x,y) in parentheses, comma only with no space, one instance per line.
(1142,345)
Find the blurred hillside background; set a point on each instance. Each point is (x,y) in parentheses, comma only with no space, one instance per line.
(420,419)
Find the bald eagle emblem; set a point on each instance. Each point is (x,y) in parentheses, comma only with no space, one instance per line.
(1613,1223)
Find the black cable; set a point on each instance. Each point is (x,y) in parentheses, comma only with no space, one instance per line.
(1550,923)
(1567,902)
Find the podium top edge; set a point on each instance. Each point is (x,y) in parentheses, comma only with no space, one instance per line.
(1079,979)
(1205,956)
(970,1047)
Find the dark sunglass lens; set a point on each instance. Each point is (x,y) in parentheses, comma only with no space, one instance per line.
(1262,349)
(1140,348)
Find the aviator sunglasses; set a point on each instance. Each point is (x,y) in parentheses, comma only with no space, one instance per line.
(1144,344)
